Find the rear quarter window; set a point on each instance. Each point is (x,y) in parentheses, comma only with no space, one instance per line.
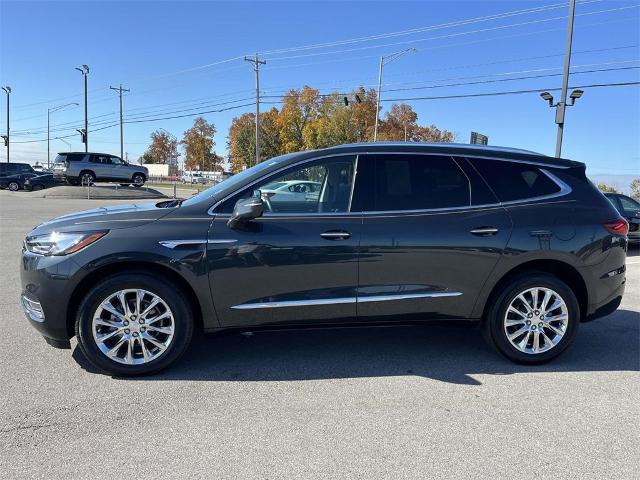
(515,181)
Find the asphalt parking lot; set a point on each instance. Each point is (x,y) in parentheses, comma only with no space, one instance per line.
(429,402)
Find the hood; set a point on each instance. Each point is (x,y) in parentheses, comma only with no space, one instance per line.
(104,218)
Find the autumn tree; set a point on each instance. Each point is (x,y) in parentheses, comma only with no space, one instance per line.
(635,188)
(198,146)
(241,141)
(401,124)
(299,108)
(163,148)
(603,187)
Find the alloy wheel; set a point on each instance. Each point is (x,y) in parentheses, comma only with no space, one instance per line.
(133,326)
(14,187)
(536,320)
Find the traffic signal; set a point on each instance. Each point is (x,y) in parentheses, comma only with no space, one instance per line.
(83,134)
(6,140)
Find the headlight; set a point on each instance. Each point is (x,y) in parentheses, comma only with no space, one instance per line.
(56,243)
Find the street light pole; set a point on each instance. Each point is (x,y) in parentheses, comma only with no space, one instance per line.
(384,59)
(49,112)
(7,90)
(560,109)
(85,72)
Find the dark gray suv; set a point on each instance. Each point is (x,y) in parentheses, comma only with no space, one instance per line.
(86,168)
(519,243)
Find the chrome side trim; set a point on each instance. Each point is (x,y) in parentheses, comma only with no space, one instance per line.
(336,301)
(295,303)
(408,296)
(221,240)
(179,243)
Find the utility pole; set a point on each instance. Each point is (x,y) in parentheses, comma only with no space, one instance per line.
(7,90)
(256,68)
(560,110)
(49,112)
(85,72)
(120,90)
(384,59)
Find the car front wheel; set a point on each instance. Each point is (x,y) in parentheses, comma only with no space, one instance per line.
(533,319)
(13,186)
(134,324)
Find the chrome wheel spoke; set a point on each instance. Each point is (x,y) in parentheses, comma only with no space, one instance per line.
(165,330)
(535,331)
(124,334)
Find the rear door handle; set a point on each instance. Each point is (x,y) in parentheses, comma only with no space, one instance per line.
(335,235)
(484,231)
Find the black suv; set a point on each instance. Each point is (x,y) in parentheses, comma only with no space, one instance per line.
(9,169)
(517,242)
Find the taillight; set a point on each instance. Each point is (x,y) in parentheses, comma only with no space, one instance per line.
(617,227)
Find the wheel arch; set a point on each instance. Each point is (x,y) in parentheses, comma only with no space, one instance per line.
(562,270)
(129,266)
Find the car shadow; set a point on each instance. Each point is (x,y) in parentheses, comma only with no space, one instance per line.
(451,354)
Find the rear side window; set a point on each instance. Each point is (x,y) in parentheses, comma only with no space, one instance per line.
(415,182)
(515,181)
(69,157)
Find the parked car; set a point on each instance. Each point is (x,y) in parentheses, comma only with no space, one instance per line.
(630,210)
(519,243)
(15,182)
(9,169)
(291,191)
(194,178)
(41,182)
(87,168)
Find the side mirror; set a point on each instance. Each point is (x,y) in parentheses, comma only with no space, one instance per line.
(245,210)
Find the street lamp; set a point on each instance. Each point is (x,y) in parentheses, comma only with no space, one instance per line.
(7,90)
(85,72)
(64,141)
(384,59)
(560,110)
(49,112)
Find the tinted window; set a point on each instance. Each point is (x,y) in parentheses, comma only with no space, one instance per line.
(69,157)
(515,181)
(331,177)
(23,168)
(103,159)
(628,203)
(3,168)
(416,182)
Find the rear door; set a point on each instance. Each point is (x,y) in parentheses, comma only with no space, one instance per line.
(432,232)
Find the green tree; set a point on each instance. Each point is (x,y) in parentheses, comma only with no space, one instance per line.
(198,144)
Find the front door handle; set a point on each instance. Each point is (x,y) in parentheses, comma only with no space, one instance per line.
(335,235)
(484,231)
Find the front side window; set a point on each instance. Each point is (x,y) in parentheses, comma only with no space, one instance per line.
(515,181)
(116,161)
(412,182)
(323,186)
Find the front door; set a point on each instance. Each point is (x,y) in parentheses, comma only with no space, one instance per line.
(298,263)
(426,250)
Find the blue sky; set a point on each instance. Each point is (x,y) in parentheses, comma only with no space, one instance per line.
(160,50)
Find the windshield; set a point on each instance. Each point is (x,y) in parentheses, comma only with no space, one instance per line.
(235,180)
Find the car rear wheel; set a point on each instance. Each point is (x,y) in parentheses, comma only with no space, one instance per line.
(87,178)
(13,186)
(533,319)
(134,324)
(138,180)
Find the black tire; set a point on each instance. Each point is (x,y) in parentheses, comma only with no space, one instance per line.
(87,177)
(494,329)
(125,184)
(168,292)
(138,180)
(13,186)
